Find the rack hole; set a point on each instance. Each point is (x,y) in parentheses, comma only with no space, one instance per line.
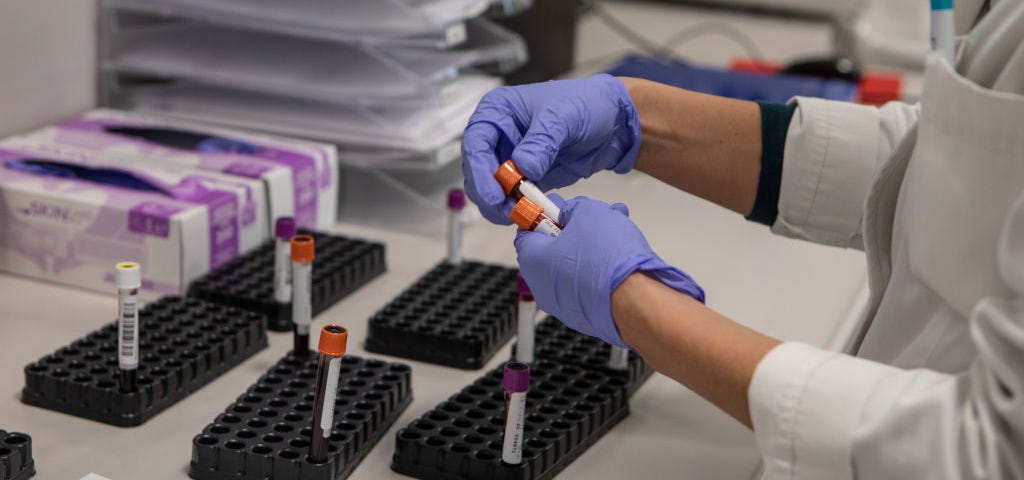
(410,435)
(449,432)
(206,440)
(288,454)
(271,438)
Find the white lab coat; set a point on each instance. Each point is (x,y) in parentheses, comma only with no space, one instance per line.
(935,197)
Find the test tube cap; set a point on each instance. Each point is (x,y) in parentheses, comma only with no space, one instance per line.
(521,287)
(128,276)
(284,228)
(333,340)
(525,213)
(516,377)
(303,249)
(508,176)
(456,199)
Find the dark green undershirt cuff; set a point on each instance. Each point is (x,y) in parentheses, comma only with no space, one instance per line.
(775,119)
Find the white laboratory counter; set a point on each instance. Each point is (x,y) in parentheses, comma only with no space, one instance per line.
(782,287)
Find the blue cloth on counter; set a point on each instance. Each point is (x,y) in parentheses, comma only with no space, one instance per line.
(777,88)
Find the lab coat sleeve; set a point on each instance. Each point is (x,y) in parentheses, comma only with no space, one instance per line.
(818,414)
(833,151)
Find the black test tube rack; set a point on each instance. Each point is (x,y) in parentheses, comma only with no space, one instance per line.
(16,461)
(184,344)
(457,315)
(342,265)
(567,410)
(558,343)
(265,433)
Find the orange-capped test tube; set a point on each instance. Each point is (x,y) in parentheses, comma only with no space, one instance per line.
(530,216)
(303,251)
(333,341)
(517,186)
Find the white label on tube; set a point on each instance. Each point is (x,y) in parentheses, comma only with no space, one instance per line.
(524,336)
(529,190)
(327,419)
(455,237)
(548,227)
(512,448)
(302,302)
(128,332)
(283,271)
(618,358)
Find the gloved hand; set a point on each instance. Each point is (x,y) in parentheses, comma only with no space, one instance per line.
(572,276)
(555,132)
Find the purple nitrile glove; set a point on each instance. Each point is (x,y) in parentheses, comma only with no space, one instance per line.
(556,133)
(572,276)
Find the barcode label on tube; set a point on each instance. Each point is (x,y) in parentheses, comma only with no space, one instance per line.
(128,333)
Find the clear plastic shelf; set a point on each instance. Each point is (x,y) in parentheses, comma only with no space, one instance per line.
(420,23)
(416,130)
(307,69)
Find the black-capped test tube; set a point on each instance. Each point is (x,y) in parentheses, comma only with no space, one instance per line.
(527,312)
(332,344)
(303,251)
(284,230)
(456,205)
(128,277)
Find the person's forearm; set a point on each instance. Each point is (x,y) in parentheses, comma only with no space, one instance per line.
(687,341)
(706,145)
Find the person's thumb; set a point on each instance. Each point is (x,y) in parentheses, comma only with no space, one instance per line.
(536,153)
(621,208)
(530,245)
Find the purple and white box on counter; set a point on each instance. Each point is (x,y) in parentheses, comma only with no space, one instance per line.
(167,178)
(74,231)
(312,167)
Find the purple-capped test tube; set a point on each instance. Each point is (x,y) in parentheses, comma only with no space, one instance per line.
(456,204)
(284,230)
(515,380)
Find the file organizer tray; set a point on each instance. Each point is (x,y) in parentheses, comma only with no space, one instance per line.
(568,409)
(342,265)
(425,24)
(264,434)
(183,345)
(454,315)
(416,129)
(321,71)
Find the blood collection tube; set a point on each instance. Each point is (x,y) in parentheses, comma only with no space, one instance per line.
(333,340)
(529,216)
(303,251)
(128,277)
(456,202)
(527,312)
(284,230)
(618,358)
(517,186)
(516,382)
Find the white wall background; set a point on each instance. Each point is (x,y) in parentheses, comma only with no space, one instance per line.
(47,61)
